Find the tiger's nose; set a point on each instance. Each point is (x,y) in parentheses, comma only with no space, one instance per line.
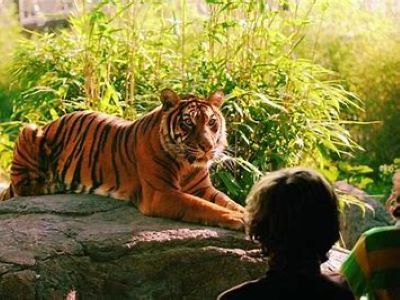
(206,146)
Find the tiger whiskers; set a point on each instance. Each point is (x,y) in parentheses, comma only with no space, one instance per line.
(225,158)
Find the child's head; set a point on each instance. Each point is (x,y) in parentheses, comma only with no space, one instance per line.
(396,210)
(396,181)
(393,203)
(294,213)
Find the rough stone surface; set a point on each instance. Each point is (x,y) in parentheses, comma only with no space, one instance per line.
(58,246)
(359,218)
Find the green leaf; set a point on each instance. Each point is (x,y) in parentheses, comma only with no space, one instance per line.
(53,113)
(230,182)
(265,100)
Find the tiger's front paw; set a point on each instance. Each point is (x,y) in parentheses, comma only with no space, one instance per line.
(232,205)
(234,220)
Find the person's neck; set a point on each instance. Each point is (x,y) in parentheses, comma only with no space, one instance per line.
(304,265)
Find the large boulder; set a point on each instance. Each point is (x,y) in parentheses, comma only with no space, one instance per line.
(59,246)
(360,215)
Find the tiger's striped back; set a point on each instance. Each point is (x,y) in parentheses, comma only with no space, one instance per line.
(82,152)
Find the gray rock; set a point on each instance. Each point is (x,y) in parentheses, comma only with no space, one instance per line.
(61,246)
(357,218)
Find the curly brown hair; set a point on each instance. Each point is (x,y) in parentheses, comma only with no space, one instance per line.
(293,212)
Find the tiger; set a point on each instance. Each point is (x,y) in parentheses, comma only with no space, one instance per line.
(160,162)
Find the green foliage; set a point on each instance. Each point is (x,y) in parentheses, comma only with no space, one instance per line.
(8,37)
(374,182)
(356,175)
(360,176)
(383,184)
(281,110)
(362,44)
(5,104)
(10,33)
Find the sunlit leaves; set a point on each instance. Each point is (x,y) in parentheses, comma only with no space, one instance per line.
(280,110)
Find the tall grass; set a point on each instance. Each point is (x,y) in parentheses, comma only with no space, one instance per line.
(362,44)
(8,37)
(280,110)
(10,33)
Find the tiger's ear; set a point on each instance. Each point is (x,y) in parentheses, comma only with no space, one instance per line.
(216,98)
(169,99)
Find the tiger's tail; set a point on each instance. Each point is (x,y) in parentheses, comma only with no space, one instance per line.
(6,192)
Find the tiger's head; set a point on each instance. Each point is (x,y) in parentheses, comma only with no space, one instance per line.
(192,128)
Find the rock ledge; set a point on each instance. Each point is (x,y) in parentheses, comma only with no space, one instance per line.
(100,248)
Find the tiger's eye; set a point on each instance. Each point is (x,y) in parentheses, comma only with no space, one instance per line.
(212,122)
(187,122)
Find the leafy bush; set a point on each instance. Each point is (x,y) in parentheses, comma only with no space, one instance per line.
(361,43)
(384,185)
(280,110)
(8,38)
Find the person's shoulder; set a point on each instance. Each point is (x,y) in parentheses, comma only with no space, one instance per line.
(382,230)
(382,237)
(245,290)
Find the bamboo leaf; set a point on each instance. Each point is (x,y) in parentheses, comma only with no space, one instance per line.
(265,100)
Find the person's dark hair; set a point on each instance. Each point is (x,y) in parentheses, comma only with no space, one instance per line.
(293,212)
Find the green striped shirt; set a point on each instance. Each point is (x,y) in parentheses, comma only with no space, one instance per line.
(373,266)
